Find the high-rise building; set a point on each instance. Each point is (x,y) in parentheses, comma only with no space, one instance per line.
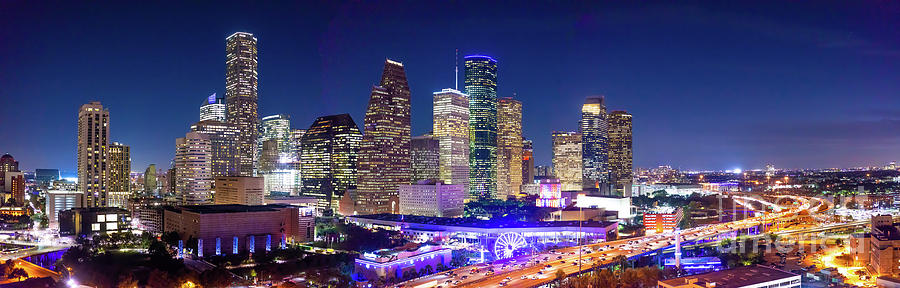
(451,129)
(567,160)
(93,149)
(620,153)
(277,128)
(45,177)
(241,97)
(296,163)
(595,143)
(425,154)
(432,198)
(223,139)
(213,108)
(150,185)
(527,161)
(59,200)
(193,169)
(481,86)
(14,186)
(242,190)
(119,186)
(543,171)
(8,163)
(384,150)
(330,149)
(509,147)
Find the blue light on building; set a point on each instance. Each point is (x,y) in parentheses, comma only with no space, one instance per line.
(218,246)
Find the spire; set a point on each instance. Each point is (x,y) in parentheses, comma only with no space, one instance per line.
(456,70)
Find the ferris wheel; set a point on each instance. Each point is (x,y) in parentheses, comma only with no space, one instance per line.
(507,244)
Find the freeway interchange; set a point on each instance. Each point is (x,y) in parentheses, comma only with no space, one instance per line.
(540,268)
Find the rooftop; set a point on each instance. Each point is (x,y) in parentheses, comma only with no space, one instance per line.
(735,277)
(228,208)
(477,223)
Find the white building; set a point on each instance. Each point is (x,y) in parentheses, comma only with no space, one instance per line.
(741,277)
(432,198)
(213,109)
(608,203)
(193,169)
(58,200)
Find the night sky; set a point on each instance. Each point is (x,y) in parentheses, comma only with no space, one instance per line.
(711,85)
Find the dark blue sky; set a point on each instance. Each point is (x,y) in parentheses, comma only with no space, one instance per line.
(711,85)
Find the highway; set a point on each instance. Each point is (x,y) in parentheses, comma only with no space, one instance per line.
(539,269)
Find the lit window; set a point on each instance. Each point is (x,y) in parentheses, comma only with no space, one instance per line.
(101,218)
(112,226)
(95,227)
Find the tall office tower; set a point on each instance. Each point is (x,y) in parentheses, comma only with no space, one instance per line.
(213,108)
(223,139)
(277,128)
(481,85)
(509,148)
(241,96)
(426,157)
(193,169)
(543,171)
(567,160)
(595,143)
(119,186)
(329,159)
(384,150)
(527,162)
(150,180)
(295,163)
(93,146)
(8,163)
(620,153)
(451,129)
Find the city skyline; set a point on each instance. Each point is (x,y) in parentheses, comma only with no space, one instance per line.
(799,134)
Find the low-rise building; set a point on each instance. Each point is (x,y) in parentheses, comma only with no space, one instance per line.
(884,238)
(622,205)
(662,219)
(59,200)
(147,213)
(94,220)
(392,264)
(242,190)
(741,277)
(432,198)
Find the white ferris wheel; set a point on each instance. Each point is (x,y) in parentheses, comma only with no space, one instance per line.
(507,244)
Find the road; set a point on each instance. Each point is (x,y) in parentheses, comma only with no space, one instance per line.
(539,269)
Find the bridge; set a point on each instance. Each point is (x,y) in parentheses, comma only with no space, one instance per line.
(540,269)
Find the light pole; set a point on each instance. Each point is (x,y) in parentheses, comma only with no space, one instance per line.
(580,220)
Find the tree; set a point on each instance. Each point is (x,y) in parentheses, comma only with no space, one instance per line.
(605,278)
(559,276)
(18,273)
(126,280)
(217,277)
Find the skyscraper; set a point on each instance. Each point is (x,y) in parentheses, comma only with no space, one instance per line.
(595,143)
(425,154)
(527,162)
(451,129)
(213,108)
(509,147)
(481,85)
(119,171)
(567,160)
(296,154)
(150,180)
(193,175)
(620,153)
(93,145)
(384,150)
(330,149)
(277,128)
(223,139)
(241,81)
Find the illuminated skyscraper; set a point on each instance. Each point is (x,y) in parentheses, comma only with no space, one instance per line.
(451,129)
(509,147)
(223,139)
(213,108)
(595,143)
(527,162)
(150,180)
(277,128)
(384,151)
(93,149)
(620,153)
(193,176)
(330,149)
(119,171)
(241,97)
(567,159)
(481,86)
(425,154)
(296,154)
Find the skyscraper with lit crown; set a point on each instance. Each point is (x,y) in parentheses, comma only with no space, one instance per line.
(241,97)
(620,152)
(213,108)
(451,129)
(595,143)
(509,147)
(481,86)
(384,151)
(93,153)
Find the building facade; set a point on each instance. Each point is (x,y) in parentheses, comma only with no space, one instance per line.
(595,143)
(119,172)
(384,153)
(432,198)
(662,220)
(213,108)
(193,169)
(243,190)
(567,164)
(241,87)
(481,86)
(620,152)
(527,161)
(451,129)
(93,149)
(94,220)
(223,137)
(147,214)
(425,158)
(509,148)
(330,148)
(150,183)
(59,200)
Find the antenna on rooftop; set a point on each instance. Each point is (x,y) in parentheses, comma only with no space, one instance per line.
(456,70)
